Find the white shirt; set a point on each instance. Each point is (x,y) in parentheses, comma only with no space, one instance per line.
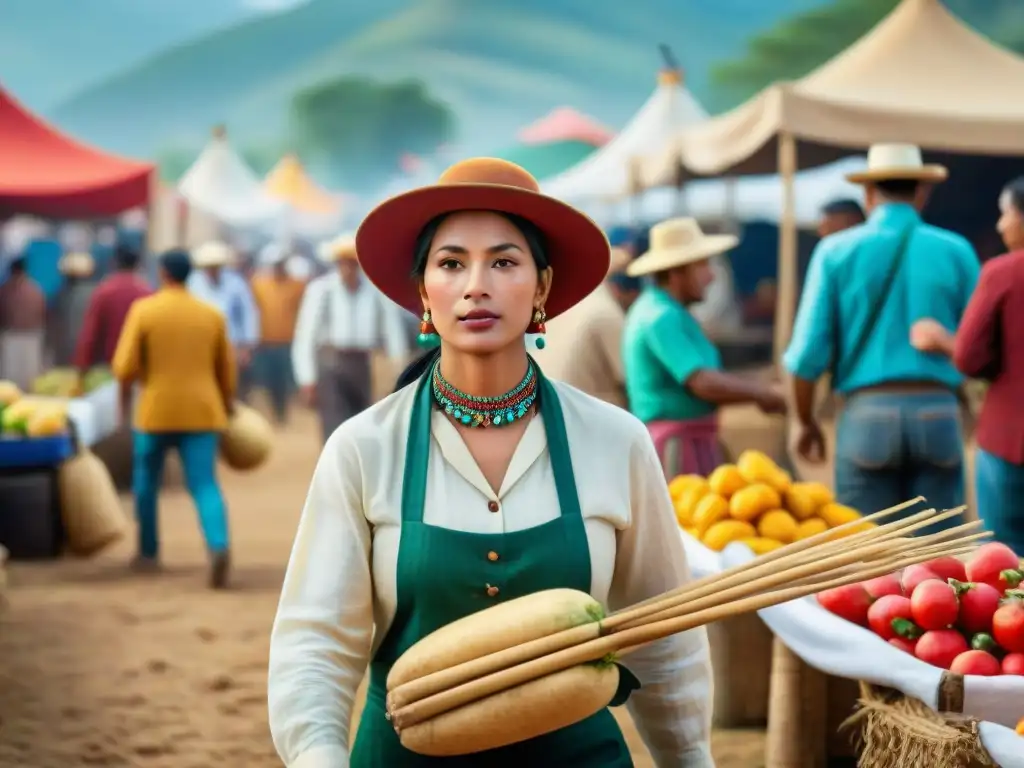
(341,581)
(233,297)
(331,315)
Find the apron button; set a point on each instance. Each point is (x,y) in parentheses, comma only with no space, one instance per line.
(492,591)
(492,506)
(492,556)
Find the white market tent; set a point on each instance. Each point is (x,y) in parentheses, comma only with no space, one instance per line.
(220,184)
(609,172)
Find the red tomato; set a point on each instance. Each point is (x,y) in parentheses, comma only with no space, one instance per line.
(914,575)
(850,602)
(883,585)
(1013,664)
(978,603)
(1008,626)
(890,616)
(934,605)
(976,663)
(904,644)
(990,561)
(947,568)
(940,646)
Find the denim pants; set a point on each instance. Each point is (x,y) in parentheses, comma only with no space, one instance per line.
(273,372)
(1000,488)
(198,454)
(891,447)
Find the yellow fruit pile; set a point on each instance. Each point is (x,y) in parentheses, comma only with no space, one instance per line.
(755,502)
(22,416)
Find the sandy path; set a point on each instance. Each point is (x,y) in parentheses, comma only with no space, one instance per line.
(100,667)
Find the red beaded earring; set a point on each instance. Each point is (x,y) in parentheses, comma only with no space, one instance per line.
(536,326)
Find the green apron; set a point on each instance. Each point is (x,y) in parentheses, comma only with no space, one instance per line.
(444,575)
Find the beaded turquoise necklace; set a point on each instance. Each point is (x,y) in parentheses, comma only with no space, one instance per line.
(485,411)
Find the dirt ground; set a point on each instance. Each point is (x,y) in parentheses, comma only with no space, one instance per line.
(102,667)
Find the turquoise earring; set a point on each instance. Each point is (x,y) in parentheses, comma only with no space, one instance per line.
(428,333)
(537,328)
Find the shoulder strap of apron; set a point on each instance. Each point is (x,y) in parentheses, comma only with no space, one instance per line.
(417,450)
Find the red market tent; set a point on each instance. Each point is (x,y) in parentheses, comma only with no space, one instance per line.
(46,173)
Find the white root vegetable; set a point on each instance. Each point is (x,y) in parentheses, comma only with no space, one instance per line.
(493,629)
(516,714)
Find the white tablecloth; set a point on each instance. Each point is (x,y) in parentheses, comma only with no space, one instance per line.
(839,648)
(95,415)
(703,561)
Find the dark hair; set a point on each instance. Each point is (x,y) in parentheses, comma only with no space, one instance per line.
(1015,190)
(535,241)
(17,265)
(844,207)
(177,264)
(624,282)
(900,188)
(126,258)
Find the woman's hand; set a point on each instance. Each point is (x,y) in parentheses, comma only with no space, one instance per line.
(929,335)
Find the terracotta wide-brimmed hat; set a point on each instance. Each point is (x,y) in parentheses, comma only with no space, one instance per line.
(212,254)
(676,242)
(889,162)
(577,249)
(341,247)
(76,264)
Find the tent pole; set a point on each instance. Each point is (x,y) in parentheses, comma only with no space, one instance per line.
(152,211)
(786,296)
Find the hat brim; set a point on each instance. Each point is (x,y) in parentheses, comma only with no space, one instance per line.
(577,248)
(659,261)
(924,173)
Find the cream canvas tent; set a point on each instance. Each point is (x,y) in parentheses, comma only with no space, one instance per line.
(919,76)
(220,184)
(310,209)
(609,172)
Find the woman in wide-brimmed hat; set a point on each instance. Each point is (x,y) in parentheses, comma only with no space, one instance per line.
(674,375)
(478,482)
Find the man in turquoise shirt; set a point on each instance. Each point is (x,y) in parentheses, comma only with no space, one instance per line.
(674,380)
(899,434)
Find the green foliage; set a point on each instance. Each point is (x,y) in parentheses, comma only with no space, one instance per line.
(359,128)
(792,48)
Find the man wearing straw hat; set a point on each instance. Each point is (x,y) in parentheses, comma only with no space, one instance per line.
(899,435)
(583,347)
(674,375)
(66,316)
(278,296)
(215,282)
(342,321)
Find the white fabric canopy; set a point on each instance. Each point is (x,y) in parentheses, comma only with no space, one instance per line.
(607,172)
(220,184)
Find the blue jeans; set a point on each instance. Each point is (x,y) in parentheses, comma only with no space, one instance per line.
(1000,488)
(891,447)
(273,371)
(198,453)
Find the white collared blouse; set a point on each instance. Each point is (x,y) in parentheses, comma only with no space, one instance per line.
(339,594)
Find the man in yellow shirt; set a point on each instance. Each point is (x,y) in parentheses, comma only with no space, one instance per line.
(278,296)
(176,347)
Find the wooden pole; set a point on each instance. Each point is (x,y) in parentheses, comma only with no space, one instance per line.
(786,296)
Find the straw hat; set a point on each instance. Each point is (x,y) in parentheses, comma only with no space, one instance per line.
(76,264)
(212,254)
(677,242)
(897,161)
(273,254)
(577,249)
(340,248)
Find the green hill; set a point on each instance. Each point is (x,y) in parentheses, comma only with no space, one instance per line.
(499,63)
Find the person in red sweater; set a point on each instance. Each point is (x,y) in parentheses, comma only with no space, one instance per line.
(107,310)
(988,345)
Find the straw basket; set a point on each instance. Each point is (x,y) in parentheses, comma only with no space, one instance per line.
(896,731)
(90,508)
(246,443)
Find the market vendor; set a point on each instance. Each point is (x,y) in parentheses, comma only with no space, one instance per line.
(176,348)
(22,326)
(215,281)
(478,482)
(674,376)
(66,314)
(343,320)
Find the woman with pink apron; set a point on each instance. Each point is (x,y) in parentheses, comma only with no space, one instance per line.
(674,377)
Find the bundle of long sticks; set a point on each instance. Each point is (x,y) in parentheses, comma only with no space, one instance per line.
(844,555)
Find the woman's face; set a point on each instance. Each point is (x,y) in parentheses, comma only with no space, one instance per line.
(1011,223)
(481,283)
